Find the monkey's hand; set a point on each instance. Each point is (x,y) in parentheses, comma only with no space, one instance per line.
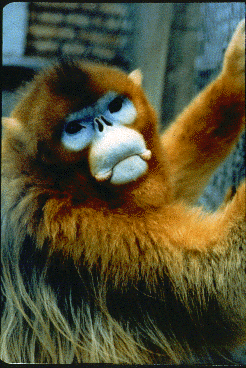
(234,60)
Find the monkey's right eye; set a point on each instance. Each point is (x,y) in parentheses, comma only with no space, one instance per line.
(77,134)
(74,127)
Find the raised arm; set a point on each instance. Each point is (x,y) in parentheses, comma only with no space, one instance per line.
(205,133)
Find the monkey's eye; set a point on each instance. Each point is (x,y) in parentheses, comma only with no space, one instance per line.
(74,127)
(116,104)
(121,110)
(77,134)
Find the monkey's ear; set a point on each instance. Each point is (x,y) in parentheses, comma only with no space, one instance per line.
(12,125)
(19,135)
(136,76)
(14,129)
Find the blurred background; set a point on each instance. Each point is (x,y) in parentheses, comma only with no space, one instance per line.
(178,46)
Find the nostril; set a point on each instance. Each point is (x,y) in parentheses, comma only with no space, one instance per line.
(101,122)
(106,121)
(100,125)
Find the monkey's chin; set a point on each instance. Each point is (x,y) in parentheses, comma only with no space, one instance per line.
(124,172)
(128,170)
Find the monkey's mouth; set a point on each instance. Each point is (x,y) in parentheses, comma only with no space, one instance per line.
(127,170)
(118,156)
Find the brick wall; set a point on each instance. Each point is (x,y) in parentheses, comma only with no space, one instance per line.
(95,31)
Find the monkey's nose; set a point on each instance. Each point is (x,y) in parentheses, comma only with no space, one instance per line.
(100,123)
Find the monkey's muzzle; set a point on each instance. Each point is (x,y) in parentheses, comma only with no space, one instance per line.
(119,156)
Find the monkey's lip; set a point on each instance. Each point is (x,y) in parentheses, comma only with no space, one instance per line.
(119,156)
(126,170)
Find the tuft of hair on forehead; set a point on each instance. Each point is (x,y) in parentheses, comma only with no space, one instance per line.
(69,79)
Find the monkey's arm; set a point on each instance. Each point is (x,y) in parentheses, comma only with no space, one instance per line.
(204,134)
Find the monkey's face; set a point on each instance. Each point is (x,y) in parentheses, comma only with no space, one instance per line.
(116,152)
(97,114)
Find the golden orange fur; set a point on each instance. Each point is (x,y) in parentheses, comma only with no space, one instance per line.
(124,274)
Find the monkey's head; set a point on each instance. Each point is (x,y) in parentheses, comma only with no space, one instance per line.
(93,117)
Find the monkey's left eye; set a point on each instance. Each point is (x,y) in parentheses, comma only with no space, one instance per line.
(121,110)
(116,104)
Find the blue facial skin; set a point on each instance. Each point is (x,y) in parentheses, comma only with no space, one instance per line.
(79,129)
